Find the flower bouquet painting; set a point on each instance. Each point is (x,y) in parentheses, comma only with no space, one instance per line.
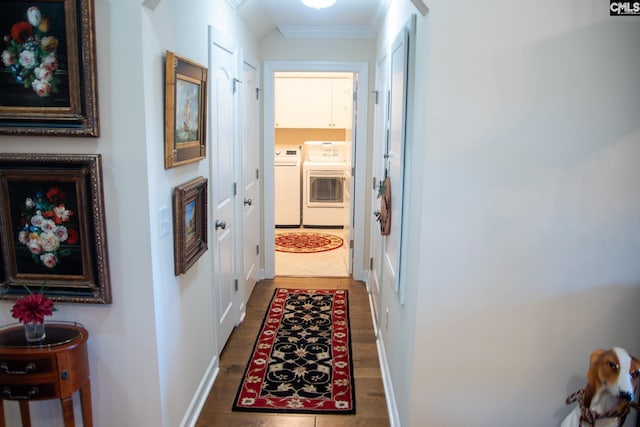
(52,227)
(34,55)
(47,226)
(48,82)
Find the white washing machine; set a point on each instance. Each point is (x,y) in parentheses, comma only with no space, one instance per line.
(325,198)
(287,187)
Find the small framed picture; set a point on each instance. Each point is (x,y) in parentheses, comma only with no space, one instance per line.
(185,111)
(189,223)
(48,82)
(52,227)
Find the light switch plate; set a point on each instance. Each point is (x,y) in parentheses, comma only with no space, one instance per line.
(165,221)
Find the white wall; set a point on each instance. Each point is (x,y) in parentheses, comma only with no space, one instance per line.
(150,349)
(527,122)
(185,316)
(122,340)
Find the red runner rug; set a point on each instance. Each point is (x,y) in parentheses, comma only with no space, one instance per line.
(307,243)
(301,361)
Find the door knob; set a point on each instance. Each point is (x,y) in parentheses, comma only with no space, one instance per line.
(248,202)
(220,224)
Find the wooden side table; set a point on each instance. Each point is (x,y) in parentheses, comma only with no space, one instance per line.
(53,368)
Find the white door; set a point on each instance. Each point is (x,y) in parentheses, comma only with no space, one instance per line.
(395,155)
(381,127)
(250,177)
(223,142)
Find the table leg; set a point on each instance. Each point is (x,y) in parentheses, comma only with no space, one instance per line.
(67,412)
(85,400)
(24,413)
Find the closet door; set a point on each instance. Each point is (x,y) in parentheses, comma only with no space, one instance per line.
(381,128)
(250,177)
(223,145)
(395,155)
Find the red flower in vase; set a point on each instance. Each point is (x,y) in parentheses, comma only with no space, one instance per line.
(32,308)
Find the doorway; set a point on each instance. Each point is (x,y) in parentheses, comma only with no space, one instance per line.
(314,118)
(351,230)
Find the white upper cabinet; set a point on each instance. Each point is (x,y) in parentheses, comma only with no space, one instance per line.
(341,103)
(313,102)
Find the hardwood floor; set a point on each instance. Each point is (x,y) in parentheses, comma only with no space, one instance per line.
(371,407)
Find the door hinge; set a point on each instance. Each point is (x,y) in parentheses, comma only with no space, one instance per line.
(351,244)
(235,84)
(257,249)
(258,93)
(355,95)
(374,183)
(375,94)
(353,171)
(235,188)
(371,263)
(235,284)
(257,173)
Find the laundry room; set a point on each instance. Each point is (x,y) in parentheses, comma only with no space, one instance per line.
(313,161)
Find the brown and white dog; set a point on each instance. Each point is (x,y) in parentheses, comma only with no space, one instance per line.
(612,381)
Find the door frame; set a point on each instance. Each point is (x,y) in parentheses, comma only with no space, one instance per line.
(359,160)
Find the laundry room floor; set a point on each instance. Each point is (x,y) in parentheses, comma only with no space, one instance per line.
(333,263)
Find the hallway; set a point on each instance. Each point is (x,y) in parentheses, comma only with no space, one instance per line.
(371,408)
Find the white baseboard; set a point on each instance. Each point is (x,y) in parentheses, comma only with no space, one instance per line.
(392,408)
(200,397)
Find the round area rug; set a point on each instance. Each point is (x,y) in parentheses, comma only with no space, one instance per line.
(307,243)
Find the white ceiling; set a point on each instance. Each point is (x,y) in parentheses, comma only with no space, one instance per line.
(347,18)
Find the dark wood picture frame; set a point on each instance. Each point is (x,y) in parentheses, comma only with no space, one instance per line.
(52,227)
(48,75)
(185,111)
(189,223)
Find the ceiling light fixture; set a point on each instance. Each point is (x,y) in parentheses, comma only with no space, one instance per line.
(319,4)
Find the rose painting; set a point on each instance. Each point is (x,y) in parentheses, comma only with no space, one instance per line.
(52,227)
(45,226)
(34,59)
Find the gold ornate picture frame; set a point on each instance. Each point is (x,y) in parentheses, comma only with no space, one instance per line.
(48,81)
(189,223)
(185,111)
(52,227)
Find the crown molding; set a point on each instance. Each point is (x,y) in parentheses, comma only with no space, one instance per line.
(421,6)
(325,32)
(151,4)
(234,3)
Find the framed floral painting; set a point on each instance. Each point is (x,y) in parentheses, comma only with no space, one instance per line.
(185,111)
(52,228)
(189,223)
(48,83)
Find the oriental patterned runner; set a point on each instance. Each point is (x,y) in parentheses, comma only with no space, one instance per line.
(301,361)
(307,243)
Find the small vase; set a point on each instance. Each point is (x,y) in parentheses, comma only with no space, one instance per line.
(34,332)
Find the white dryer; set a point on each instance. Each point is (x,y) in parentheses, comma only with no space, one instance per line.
(324,192)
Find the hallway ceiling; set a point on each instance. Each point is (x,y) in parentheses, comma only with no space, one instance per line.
(347,18)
